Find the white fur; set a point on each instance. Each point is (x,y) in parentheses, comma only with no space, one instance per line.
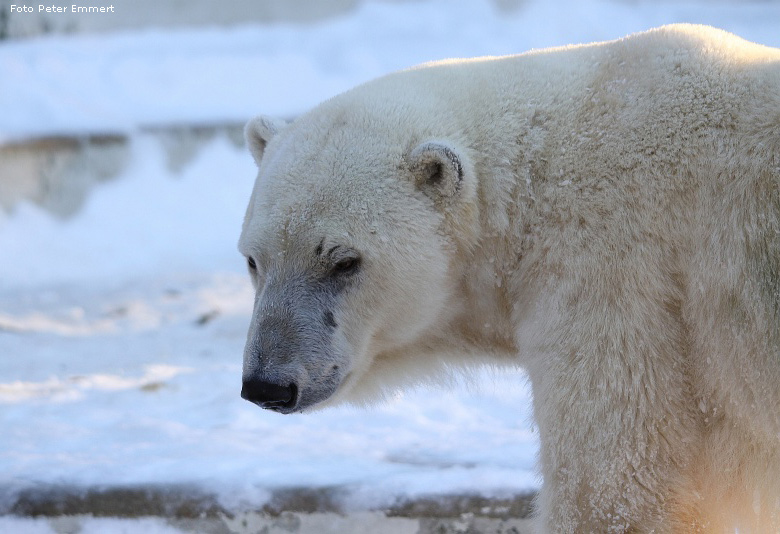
(616,232)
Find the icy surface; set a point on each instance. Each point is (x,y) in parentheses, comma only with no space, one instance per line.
(121,330)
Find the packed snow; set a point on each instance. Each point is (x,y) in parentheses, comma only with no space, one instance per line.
(122,328)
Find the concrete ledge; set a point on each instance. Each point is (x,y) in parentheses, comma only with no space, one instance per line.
(57,172)
(183,501)
(291,510)
(287,523)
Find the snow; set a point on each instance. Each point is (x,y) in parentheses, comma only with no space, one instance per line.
(122,329)
(203,76)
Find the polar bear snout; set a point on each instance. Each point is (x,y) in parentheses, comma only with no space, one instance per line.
(269,395)
(295,356)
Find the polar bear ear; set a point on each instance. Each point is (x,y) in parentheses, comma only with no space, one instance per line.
(438,169)
(258,132)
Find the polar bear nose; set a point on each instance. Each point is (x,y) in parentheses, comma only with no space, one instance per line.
(269,395)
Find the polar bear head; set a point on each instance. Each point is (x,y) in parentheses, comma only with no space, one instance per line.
(350,238)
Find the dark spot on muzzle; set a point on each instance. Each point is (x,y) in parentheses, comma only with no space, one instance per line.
(269,395)
(330,320)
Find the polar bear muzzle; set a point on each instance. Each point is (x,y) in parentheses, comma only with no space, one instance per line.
(295,355)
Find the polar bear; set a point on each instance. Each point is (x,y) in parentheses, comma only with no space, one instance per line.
(606,216)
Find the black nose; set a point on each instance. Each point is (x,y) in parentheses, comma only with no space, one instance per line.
(269,395)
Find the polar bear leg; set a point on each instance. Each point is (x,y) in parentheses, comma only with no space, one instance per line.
(618,421)
(601,474)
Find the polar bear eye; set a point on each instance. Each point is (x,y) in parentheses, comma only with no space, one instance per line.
(346,266)
(251,263)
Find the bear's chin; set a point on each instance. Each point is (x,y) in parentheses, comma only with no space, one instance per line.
(351,391)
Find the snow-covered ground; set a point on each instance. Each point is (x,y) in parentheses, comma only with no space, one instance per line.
(121,329)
